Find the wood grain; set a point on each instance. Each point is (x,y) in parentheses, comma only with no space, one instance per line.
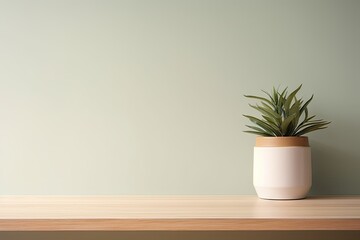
(301,141)
(176,213)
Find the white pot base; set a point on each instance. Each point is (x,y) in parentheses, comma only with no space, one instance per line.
(282,193)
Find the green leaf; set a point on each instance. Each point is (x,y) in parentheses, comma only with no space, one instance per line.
(271,121)
(283,93)
(312,123)
(258,133)
(267,112)
(289,100)
(270,97)
(306,120)
(285,124)
(291,128)
(294,110)
(259,98)
(283,114)
(310,129)
(258,129)
(275,95)
(270,108)
(304,107)
(264,125)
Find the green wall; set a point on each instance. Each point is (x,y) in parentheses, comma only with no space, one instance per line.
(146,97)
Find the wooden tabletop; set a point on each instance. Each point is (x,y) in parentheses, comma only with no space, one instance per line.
(180,213)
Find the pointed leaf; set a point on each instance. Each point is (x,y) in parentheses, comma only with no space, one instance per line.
(267,112)
(285,124)
(263,125)
(259,98)
(259,130)
(290,99)
(258,133)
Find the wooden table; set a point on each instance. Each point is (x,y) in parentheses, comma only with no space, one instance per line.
(178,213)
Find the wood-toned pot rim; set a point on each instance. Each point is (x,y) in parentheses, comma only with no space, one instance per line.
(301,141)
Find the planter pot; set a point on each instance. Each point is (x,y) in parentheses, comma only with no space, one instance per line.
(282,167)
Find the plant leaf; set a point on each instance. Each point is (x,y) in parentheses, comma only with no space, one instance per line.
(304,107)
(258,129)
(258,133)
(264,125)
(285,124)
(283,114)
(289,100)
(312,128)
(267,112)
(259,98)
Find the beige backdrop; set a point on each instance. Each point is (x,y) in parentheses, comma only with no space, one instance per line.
(146,97)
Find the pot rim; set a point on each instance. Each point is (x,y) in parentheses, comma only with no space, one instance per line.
(286,141)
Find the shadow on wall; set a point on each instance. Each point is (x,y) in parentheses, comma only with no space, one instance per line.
(334,170)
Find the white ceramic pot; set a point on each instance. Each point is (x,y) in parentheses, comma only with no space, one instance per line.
(282,171)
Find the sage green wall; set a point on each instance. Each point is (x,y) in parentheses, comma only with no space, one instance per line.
(146,97)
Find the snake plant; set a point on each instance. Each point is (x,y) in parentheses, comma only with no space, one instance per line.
(283,114)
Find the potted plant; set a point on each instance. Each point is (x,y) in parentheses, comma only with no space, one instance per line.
(282,155)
